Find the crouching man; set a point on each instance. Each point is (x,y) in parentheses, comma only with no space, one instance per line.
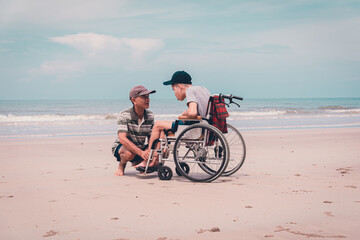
(133,128)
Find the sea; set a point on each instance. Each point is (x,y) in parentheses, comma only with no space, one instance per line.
(59,118)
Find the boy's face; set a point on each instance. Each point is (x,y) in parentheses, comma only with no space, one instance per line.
(179,91)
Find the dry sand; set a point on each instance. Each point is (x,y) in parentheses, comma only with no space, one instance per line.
(295,184)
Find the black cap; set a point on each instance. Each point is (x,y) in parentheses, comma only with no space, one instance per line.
(179,77)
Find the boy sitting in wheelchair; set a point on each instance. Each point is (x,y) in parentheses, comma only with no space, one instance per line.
(197,99)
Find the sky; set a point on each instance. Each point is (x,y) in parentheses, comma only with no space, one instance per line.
(85,49)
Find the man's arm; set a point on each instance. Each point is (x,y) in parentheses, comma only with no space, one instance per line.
(131,146)
(191,112)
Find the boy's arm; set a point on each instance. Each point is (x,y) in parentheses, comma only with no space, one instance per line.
(191,112)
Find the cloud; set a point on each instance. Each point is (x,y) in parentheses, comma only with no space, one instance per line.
(44,12)
(335,39)
(4,50)
(61,70)
(306,44)
(141,46)
(299,44)
(98,51)
(71,14)
(92,44)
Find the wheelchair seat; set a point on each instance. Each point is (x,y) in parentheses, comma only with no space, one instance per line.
(179,125)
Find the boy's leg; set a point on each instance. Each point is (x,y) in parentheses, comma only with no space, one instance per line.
(125,156)
(158,132)
(158,128)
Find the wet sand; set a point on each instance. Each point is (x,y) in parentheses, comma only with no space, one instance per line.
(295,184)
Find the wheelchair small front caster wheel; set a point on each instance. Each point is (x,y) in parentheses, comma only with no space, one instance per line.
(165,173)
(184,166)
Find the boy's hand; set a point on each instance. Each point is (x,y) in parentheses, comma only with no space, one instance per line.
(191,112)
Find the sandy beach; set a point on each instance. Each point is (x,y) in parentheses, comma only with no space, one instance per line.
(295,184)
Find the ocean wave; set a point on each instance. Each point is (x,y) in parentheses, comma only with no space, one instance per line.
(50,117)
(66,134)
(271,113)
(110,118)
(56,119)
(167,116)
(357,124)
(333,107)
(258,113)
(339,109)
(62,119)
(344,111)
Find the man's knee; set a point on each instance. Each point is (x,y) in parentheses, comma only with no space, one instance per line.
(126,155)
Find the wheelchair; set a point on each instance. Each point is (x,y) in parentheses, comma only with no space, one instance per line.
(201,151)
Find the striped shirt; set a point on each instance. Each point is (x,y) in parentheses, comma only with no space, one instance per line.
(137,131)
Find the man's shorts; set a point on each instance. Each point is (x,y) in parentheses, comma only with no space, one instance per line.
(136,160)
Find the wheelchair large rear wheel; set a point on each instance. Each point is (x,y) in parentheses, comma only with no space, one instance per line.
(237,148)
(202,147)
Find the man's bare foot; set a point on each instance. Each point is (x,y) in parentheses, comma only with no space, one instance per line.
(120,170)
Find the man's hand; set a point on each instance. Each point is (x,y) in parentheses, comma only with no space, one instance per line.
(145,154)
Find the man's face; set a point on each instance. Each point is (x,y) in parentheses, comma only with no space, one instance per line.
(179,92)
(142,101)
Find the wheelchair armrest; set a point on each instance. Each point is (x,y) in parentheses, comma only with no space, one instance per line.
(190,119)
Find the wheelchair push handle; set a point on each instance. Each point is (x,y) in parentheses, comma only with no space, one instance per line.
(238,98)
(230,97)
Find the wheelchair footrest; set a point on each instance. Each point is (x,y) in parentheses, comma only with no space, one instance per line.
(149,170)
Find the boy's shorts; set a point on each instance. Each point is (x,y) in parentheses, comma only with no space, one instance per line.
(136,160)
(176,123)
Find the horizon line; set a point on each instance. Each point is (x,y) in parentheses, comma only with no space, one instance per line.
(94,99)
